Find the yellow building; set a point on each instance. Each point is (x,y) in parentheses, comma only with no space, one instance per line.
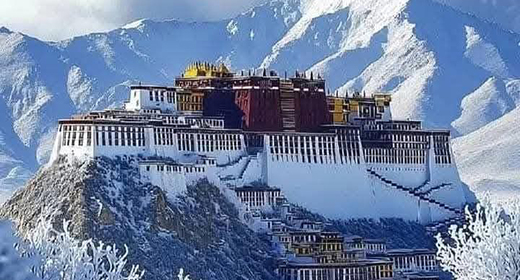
(338,109)
(375,107)
(205,69)
(190,101)
(198,80)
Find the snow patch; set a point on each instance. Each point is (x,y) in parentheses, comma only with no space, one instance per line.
(486,104)
(484,54)
(134,25)
(491,154)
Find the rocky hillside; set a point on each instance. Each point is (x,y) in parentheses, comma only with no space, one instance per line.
(442,64)
(199,231)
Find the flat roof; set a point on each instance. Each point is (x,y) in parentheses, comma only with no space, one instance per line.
(153,87)
(349,239)
(151,122)
(408,252)
(357,263)
(257,188)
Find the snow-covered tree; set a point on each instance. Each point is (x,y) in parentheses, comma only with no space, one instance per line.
(65,258)
(487,247)
(49,254)
(181,275)
(12,265)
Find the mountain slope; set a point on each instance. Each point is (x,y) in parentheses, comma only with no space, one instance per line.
(444,66)
(104,200)
(489,158)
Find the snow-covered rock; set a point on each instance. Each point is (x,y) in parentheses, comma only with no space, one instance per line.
(105,201)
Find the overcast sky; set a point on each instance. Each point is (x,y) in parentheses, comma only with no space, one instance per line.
(61,19)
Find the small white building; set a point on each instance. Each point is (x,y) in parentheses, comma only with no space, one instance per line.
(413,260)
(174,177)
(147,99)
(370,246)
(257,197)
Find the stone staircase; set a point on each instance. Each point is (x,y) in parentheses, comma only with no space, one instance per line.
(287,103)
(443,225)
(422,186)
(428,192)
(420,196)
(243,170)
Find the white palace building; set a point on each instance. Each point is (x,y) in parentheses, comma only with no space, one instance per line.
(370,167)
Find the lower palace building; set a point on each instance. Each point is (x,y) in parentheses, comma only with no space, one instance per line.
(313,253)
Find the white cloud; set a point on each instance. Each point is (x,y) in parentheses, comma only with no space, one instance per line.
(60,19)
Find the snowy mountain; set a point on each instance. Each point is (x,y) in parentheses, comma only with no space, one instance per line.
(452,66)
(492,150)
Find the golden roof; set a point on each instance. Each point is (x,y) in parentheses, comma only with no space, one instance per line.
(206,69)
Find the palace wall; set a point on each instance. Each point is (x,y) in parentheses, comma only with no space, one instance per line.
(326,173)
(89,140)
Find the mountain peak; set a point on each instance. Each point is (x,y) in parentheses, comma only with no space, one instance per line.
(136,24)
(4,29)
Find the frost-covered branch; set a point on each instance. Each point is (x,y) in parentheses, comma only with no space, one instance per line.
(64,258)
(487,247)
(13,266)
(49,254)
(181,275)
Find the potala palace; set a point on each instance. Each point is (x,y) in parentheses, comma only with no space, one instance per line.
(343,157)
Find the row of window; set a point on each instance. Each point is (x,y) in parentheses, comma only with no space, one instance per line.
(443,159)
(81,135)
(304,238)
(160,96)
(177,168)
(395,156)
(202,142)
(164,136)
(194,122)
(120,136)
(258,198)
(349,148)
(370,111)
(441,149)
(373,247)
(310,149)
(417,262)
(377,135)
(372,272)
(76,135)
(190,102)
(396,126)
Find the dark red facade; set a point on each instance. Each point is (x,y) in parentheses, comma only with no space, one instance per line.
(263,103)
(311,109)
(259,100)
